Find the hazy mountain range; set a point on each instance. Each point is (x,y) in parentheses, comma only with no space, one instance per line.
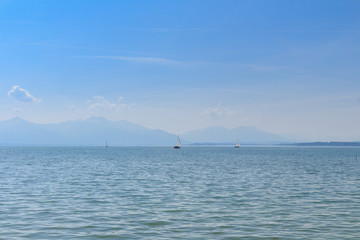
(243,134)
(95,131)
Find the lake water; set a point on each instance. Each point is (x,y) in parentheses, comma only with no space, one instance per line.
(191,193)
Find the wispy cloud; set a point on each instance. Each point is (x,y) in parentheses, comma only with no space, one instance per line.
(191,90)
(170,30)
(185,63)
(307,31)
(100,103)
(187,30)
(72,108)
(149,60)
(76,47)
(217,111)
(260,67)
(18,110)
(22,94)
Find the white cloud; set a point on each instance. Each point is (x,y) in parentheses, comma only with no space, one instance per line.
(22,94)
(217,111)
(100,103)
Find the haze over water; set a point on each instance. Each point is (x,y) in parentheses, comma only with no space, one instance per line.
(191,193)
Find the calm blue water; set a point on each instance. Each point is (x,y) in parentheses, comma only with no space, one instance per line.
(192,193)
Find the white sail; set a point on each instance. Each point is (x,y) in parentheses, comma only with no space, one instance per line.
(237,145)
(178,143)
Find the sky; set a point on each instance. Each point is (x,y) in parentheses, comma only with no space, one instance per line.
(286,67)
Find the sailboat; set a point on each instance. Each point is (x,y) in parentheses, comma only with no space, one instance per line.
(237,145)
(178,143)
(106,145)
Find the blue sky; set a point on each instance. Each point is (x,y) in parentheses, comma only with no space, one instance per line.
(287,67)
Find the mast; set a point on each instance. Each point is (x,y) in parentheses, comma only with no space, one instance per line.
(178,143)
(237,145)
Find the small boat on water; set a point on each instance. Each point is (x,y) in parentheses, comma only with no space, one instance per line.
(237,145)
(106,145)
(178,143)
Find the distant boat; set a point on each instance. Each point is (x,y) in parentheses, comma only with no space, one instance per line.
(178,143)
(106,144)
(237,145)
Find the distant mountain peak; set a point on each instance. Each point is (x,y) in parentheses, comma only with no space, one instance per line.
(16,120)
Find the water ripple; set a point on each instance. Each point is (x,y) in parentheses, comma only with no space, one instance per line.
(194,193)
